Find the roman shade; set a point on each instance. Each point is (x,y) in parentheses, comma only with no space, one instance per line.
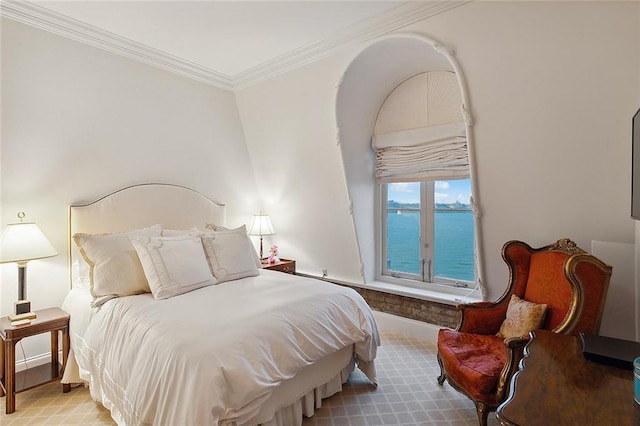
(420,133)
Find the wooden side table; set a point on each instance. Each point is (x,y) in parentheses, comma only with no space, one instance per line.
(285,265)
(53,320)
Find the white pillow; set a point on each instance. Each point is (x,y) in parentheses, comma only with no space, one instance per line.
(114,267)
(216,227)
(80,270)
(230,253)
(173,265)
(177,232)
(243,229)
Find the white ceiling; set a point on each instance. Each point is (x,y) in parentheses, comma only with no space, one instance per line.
(224,43)
(228,37)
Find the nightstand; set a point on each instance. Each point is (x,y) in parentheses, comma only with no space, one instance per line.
(285,265)
(52,320)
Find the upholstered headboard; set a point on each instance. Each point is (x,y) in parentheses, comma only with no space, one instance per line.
(138,206)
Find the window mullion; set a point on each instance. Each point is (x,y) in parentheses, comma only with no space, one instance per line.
(426,205)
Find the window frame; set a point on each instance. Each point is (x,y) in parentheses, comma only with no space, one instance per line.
(421,280)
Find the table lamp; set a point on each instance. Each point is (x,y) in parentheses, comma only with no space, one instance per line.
(21,242)
(261,225)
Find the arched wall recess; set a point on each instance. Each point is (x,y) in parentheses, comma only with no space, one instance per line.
(368,80)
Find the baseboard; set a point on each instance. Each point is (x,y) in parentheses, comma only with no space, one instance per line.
(35,361)
(416,329)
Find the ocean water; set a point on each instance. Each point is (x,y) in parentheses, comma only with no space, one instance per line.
(453,243)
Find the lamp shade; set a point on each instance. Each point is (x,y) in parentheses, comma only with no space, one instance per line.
(21,242)
(261,225)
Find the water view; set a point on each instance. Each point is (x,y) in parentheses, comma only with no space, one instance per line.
(453,243)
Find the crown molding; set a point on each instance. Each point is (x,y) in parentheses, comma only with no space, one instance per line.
(48,20)
(394,19)
(385,23)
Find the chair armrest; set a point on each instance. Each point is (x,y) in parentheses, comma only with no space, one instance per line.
(517,342)
(481,317)
(515,346)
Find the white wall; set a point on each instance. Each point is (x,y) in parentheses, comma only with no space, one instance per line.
(619,317)
(637,279)
(78,122)
(552,85)
(290,128)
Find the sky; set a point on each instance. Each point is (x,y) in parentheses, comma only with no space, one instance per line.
(446,192)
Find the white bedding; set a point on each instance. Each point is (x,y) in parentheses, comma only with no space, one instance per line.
(214,355)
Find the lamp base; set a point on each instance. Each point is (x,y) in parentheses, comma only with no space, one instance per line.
(20,317)
(23,311)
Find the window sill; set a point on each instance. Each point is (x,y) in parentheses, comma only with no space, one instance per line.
(423,294)
(448,298)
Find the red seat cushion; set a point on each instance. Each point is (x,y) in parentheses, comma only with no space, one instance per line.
(473,361)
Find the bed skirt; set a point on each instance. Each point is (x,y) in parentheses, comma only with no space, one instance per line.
(311,401)
(306,400)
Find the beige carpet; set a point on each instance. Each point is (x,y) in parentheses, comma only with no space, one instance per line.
(408,394)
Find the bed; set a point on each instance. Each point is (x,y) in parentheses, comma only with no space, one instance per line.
(222,347)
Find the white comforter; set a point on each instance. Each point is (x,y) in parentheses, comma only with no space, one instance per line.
(213,356)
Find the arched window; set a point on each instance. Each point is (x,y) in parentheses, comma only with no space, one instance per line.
(422,168)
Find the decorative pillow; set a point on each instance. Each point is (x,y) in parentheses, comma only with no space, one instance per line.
(215,227)
(80,268)
(522,317)
(177,232)
(173,265)
(230,253)
(243,228)
(114,267)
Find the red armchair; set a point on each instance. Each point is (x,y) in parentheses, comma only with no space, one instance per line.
(572,283)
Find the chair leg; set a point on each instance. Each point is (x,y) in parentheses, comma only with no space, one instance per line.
(442,376)
(483,413)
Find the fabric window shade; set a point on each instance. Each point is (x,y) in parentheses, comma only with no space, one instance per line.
(429,153)
(420,134)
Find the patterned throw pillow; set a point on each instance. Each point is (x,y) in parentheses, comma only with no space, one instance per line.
(522,317)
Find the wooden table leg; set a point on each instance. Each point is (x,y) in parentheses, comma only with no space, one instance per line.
(2,369)
(55,367)
(66,387)
(10,373)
